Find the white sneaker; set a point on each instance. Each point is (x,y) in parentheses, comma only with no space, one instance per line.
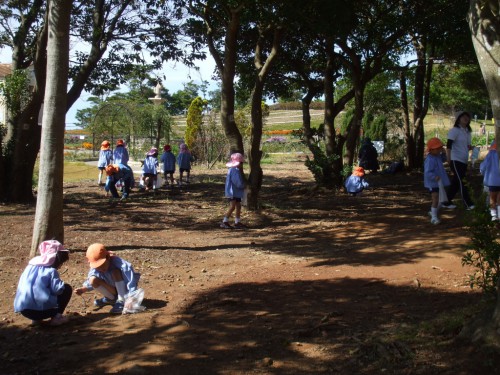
(450,206)
(435,221)
(471,207)
(494,218)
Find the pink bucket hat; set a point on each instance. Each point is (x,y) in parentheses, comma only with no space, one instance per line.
(152,152)
(48,251)
(236,159)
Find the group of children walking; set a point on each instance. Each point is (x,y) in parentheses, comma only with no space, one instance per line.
(115,165)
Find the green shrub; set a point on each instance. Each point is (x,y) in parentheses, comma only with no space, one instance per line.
(483,252)
(321,166)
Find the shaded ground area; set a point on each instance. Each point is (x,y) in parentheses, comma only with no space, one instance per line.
(322,283)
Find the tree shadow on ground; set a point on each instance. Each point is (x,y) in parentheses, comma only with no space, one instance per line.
(309,327)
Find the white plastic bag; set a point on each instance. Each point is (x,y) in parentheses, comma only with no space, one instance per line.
(133,302)
(244,197)
(443,197)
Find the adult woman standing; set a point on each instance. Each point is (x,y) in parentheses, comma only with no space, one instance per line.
(457,153)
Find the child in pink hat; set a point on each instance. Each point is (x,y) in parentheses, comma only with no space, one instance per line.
(150,169)
(41,294)
(234,190)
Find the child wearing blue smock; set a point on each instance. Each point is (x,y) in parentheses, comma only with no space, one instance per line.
(150,169)
(119,172)
(120,155)
(105,159)
(489,169)
(234,190)
(184,161)
(41,294)
(168,160)
(111,276)
(356,183)
(434,173)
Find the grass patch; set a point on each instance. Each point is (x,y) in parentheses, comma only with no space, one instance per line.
(79,171)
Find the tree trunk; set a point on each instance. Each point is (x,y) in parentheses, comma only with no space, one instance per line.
(423,76)
(306,117)
(485,30)
(255,155)
(409,140)
(49,209)
(23,136)
(354,131)
(262,71)
(227,70)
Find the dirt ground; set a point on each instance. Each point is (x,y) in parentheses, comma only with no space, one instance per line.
(320,283)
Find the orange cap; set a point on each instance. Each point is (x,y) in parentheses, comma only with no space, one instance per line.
(112,169)
(97,255)
(358,171)
(105,145)
(434,143)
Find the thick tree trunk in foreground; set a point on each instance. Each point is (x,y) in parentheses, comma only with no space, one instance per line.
(484,22)
(49,209)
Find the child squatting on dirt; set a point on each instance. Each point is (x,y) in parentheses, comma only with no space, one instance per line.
(356,183)
(41,294)
(119,172)
(489,168)
(435,174)
(234,190)
(111,276)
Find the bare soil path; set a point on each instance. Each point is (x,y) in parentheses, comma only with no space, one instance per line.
(321,283)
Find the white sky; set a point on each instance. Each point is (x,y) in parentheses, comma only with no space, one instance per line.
(173,77)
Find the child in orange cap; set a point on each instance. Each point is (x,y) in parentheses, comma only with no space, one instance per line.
(120,155)
(489,168)
(111,276)
(105,159)
(356,183)
(435,174)
(122,173)
(41,294)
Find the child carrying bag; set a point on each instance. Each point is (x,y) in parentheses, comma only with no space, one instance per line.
(443,197)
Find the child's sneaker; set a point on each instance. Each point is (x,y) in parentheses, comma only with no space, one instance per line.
(101,302)
(435,221)
(117,307)
(58,320)
(240,226)
(449,205)
(226,225)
